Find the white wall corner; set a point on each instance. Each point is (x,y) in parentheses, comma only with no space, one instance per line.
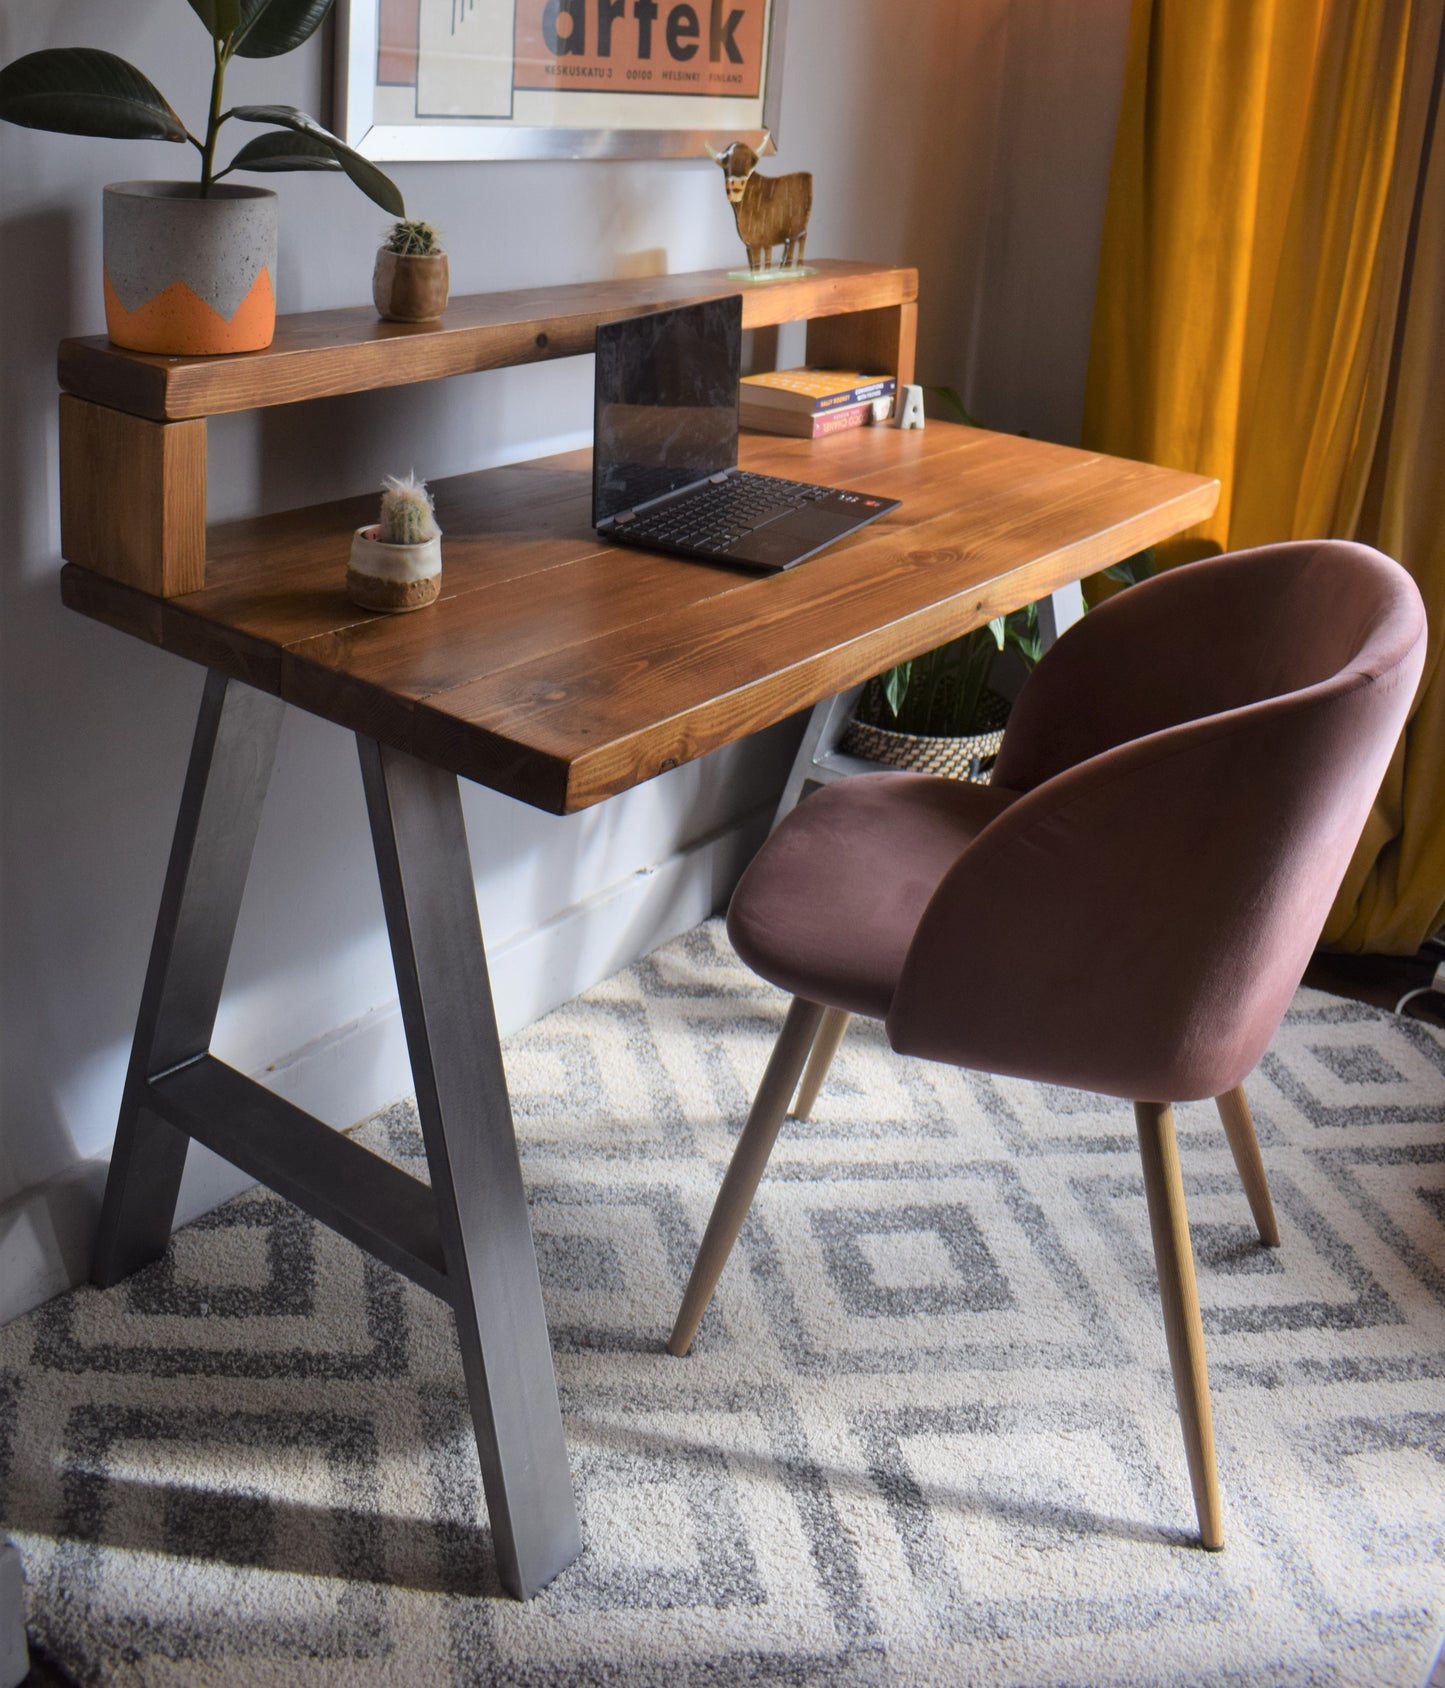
(46,1236)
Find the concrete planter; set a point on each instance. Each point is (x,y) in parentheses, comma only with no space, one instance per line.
(393,577)
(186,276)
(410,288)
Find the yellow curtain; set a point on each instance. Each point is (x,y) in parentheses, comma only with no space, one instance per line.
(1271,310)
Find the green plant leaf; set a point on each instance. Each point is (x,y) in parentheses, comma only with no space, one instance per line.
(895,686)
(282,149)
(219,16)
(1134,569)
(268,28)
(83,91)
(1021,629)
(996,627)
(362,171)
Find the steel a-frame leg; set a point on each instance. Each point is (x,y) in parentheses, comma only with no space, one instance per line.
(482,1232)
(466,1121)
(230,768)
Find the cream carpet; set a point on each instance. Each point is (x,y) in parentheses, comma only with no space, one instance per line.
(927,1435)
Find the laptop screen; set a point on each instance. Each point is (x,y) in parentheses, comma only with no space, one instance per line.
(667,402)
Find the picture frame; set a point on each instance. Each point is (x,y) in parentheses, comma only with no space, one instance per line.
(565,79)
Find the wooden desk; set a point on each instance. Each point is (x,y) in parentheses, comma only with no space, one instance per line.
(555,669)
(560,670)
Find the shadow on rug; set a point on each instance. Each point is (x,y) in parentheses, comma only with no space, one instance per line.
(926,1436)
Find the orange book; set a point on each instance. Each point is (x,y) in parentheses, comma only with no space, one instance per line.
(808,392)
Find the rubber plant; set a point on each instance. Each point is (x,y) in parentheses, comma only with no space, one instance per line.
(85,91)
(182,277)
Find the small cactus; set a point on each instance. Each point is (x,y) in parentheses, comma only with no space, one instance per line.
(413,240)
(406,512)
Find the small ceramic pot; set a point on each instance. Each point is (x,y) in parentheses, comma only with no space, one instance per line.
(186,276)
(410,289)
(393,577)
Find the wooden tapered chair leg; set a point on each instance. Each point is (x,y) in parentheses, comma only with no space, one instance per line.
(1183,1327)
(746,1167)
(825,1046)
(1239,1129)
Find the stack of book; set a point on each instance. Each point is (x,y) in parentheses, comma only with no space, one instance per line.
(814,402)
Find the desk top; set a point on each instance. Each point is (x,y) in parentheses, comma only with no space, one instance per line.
(561,670)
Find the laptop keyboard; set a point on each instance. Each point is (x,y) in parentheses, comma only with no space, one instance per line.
(710,518)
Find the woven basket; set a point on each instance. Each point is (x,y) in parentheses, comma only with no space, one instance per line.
(968,758)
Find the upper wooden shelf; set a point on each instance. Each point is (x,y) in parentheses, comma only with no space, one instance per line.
(322,353)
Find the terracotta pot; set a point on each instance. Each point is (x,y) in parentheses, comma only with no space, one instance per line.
(187,276)
(393,577)
(410,289)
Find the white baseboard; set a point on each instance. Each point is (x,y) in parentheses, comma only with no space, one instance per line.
(47,1232)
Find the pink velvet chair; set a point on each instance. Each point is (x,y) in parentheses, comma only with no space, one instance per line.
(1130,905)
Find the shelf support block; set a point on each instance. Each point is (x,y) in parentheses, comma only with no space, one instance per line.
(884,339)
(133,497)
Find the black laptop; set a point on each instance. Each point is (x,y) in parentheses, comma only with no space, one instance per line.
(665,450)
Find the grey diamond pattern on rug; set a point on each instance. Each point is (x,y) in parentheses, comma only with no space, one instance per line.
(926,1436)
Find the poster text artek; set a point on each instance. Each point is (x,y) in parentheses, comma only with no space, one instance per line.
(641,46)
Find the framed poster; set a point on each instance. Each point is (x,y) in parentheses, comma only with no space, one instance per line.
(433,79)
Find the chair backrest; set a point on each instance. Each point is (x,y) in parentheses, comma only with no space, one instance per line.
(1197,759)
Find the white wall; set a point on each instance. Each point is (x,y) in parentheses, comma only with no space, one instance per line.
(969,139)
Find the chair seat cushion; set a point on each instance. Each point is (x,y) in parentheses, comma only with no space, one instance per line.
(830,903)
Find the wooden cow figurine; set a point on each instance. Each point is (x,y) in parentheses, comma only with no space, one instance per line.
(770,210)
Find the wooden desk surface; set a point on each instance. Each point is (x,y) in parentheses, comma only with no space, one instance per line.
(561,670)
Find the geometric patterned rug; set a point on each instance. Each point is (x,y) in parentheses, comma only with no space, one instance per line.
(926,1434)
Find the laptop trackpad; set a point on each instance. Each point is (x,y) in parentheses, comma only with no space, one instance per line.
(792,537)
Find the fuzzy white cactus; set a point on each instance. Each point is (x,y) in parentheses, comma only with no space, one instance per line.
(407,517)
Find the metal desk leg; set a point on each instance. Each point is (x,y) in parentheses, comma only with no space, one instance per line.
(466,1119)
(1058,611)
(818,761)
(230,768)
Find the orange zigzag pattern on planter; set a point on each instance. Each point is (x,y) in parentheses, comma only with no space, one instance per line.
(179,322)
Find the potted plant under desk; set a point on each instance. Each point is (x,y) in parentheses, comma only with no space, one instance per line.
(190,267)
(943,712)
(938,714)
